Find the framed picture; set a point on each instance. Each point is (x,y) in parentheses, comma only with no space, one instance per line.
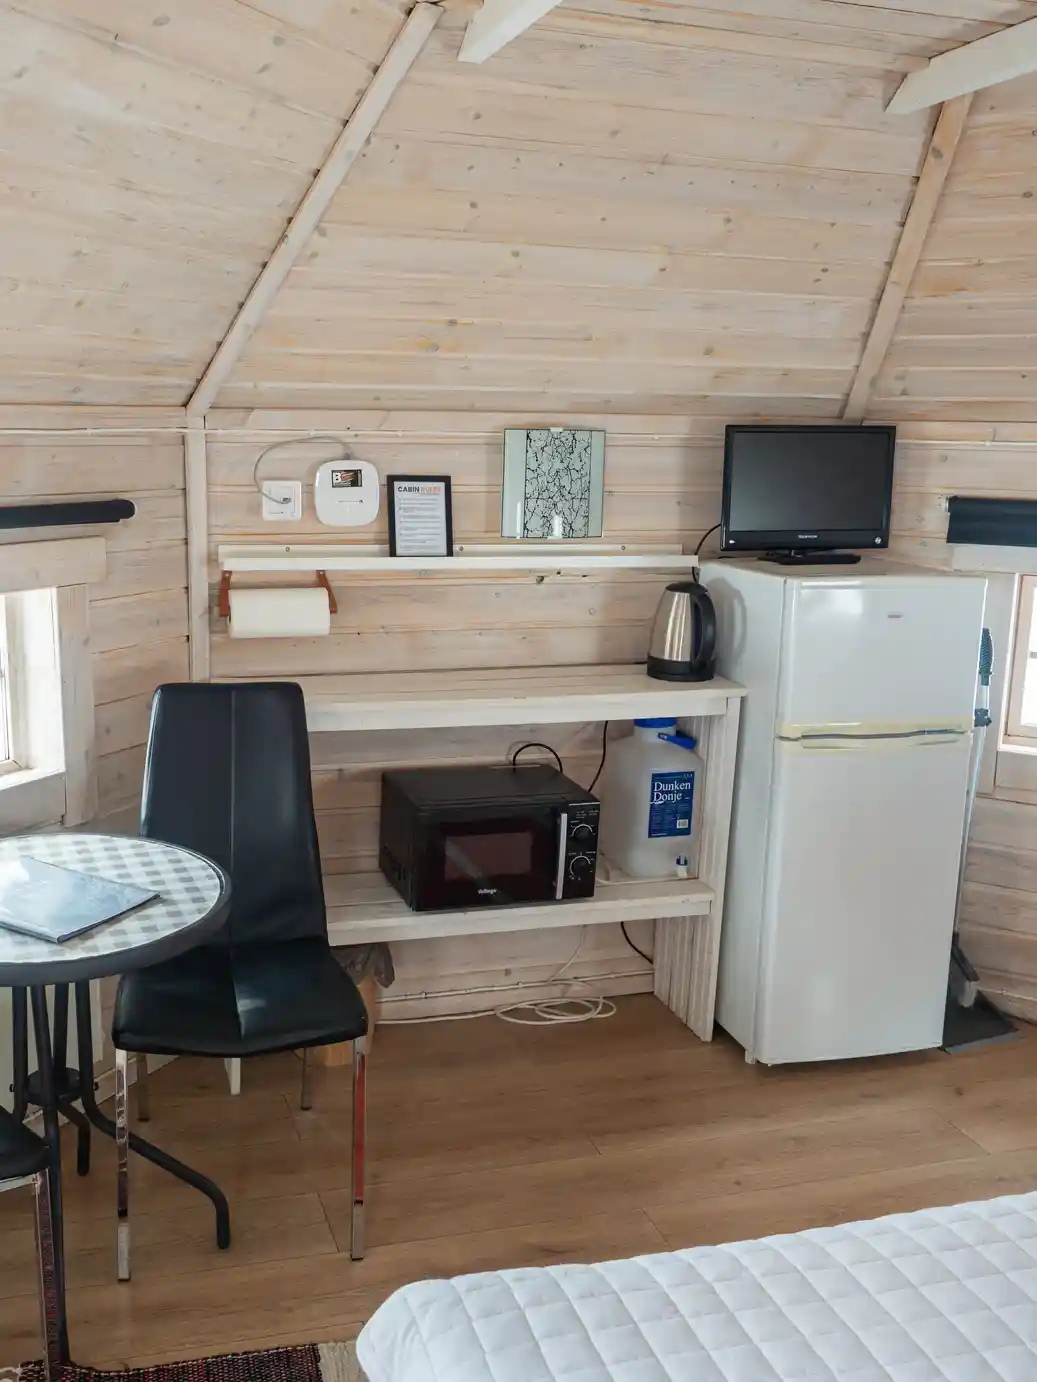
(421,522)
(554,483)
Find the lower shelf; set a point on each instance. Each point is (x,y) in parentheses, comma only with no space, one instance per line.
(363,907)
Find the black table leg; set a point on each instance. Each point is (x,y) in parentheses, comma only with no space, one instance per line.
(66,1081)
(139,1144)
(20,1048)
(52,1134)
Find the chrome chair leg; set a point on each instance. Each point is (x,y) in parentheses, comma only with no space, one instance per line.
(50,1307)
(358,1168)
(143,1097)
(306,1085)
(122,1156)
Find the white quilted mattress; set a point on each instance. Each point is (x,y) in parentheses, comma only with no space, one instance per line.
(944,1295)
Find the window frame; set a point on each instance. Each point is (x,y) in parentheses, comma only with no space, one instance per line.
(9,762)
(1016,734)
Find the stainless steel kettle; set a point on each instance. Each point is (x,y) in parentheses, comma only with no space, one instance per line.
(684,635)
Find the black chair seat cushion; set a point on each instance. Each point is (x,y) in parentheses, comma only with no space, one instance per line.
(239,1001)
(22,1153)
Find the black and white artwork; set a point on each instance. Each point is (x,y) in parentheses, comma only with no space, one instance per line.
(553,483)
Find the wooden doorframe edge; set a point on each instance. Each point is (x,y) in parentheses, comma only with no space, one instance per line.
(939,157)
(346,149)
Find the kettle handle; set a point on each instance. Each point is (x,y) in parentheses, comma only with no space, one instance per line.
(708,627)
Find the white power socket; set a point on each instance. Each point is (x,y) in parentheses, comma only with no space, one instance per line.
(282,490)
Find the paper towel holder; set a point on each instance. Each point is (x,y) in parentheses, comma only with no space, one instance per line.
(224,604)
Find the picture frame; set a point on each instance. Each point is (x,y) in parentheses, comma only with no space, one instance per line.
(554,483)
(421,519)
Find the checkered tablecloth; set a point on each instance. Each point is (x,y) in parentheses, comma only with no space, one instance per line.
(188,888)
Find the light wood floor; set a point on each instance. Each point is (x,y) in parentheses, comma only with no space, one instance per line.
(493,1146)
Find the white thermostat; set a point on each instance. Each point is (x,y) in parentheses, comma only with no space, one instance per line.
(347,493)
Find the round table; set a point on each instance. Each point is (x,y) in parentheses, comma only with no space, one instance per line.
(192,902)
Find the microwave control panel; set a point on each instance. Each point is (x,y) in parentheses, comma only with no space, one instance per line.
(581,850)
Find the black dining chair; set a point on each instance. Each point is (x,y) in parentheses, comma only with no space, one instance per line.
(24,1157)
(228,775)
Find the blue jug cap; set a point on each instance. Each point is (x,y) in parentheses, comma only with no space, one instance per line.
(665,722)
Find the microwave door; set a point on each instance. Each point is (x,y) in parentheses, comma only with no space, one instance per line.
(498,860)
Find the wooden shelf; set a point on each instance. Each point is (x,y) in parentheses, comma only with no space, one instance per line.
(364,907)
(504,696)
(286,558)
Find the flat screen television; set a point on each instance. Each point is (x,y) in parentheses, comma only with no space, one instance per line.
(794,492)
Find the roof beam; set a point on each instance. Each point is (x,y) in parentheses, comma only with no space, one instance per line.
(987,61)
(346,149)
(931,179)
(497,23)
(308,215)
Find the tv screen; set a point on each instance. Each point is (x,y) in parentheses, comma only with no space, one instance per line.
(807,488)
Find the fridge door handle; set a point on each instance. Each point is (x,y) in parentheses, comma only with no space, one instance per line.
(836,739)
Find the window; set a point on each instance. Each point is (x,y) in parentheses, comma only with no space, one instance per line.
(1021,725)
(8,762)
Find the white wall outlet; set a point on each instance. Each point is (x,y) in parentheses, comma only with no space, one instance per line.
(275,493)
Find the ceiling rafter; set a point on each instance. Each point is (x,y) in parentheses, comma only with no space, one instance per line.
(930,185)
(985,62)
(344,152)
(496,23)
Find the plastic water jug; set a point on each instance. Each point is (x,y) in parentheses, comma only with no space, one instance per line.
(648,801)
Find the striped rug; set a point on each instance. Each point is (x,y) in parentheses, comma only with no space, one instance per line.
(307,1363)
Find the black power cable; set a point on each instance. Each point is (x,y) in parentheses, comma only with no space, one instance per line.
(601,765)
(709,533)
(534,745)
(637,948)
(604,754)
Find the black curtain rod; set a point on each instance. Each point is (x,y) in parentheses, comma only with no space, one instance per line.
(73,513)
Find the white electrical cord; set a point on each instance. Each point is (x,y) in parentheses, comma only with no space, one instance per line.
(544,1011)
(346,455)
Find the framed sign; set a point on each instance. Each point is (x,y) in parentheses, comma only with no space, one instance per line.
(420,516)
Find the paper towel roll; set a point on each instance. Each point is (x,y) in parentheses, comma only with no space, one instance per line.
(290,613)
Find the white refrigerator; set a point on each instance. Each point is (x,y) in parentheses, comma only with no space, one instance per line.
(849,802)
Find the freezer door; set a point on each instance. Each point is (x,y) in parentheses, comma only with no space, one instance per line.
(859,902)
(893,653)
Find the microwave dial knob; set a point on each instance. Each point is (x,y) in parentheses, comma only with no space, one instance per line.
(581,830)
(581,867)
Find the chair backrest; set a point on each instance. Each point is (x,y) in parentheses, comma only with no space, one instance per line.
(228,775)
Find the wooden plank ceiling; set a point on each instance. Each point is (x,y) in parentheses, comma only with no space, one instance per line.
(151,152)
(660,206)
(608,214)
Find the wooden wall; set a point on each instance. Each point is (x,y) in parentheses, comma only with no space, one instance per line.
(999,918)
(653,217)
(966,346)
(663,481)
(138,615)
(151,157)
(663,484)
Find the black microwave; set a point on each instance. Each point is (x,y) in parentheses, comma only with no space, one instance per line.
(487,836)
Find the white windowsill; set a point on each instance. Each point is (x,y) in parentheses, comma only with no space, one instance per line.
(28,777)
(1025,750)
(31,798)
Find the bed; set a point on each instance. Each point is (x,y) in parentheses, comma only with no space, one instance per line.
(942,1295)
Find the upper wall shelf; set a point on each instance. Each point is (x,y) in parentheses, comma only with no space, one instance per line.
(490,557)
